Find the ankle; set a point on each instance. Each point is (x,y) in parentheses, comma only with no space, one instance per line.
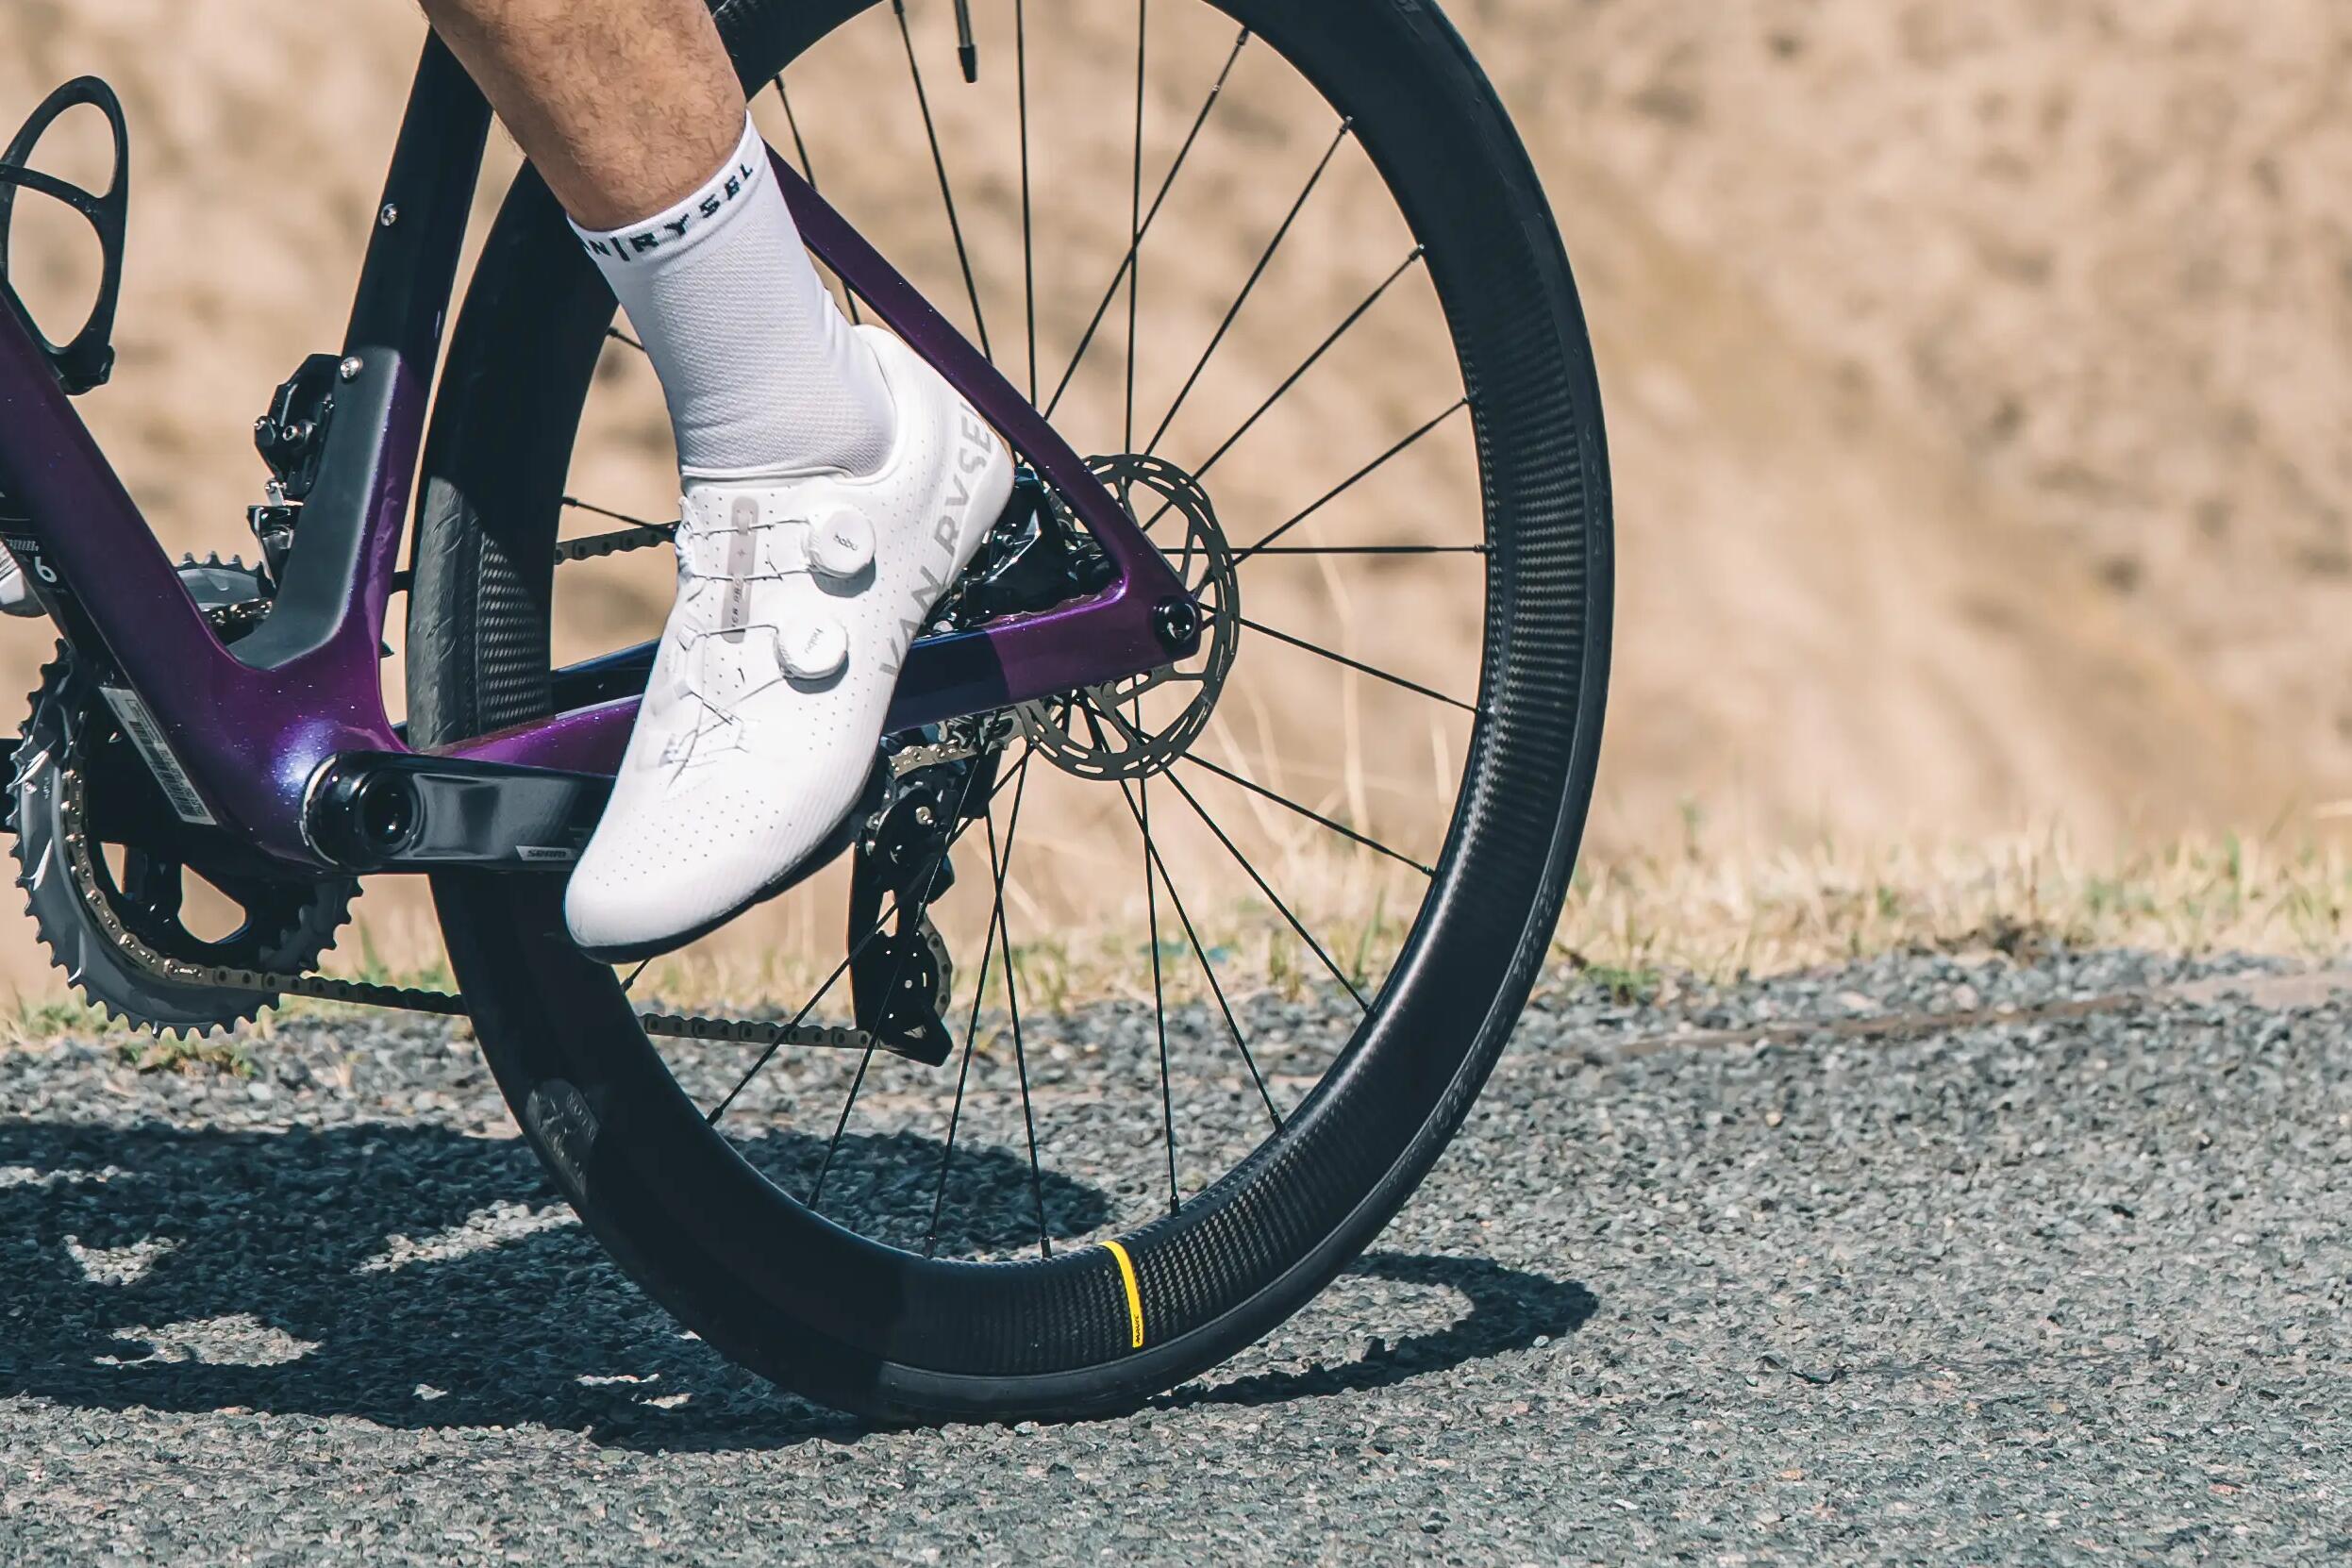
(762,373)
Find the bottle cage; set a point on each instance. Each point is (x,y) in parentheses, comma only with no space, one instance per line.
(86,360)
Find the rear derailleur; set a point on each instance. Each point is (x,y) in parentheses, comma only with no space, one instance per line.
(900,973)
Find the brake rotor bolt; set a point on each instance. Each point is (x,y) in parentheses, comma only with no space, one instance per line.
(349,370)
(389,216)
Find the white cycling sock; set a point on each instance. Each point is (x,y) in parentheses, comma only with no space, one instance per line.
(762,375)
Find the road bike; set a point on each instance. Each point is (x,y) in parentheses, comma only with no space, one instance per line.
(1265,1088)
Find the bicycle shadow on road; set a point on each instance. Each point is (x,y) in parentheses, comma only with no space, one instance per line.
(1510,1310)
(416,1277)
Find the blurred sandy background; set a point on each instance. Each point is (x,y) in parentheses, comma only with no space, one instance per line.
(1977,376)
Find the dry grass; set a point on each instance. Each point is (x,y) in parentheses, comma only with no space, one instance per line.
(1629,924)
(1719,919)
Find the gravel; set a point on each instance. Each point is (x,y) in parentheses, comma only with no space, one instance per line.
(1736,1275)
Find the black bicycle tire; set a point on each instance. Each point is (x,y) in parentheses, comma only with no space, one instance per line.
(591,1095)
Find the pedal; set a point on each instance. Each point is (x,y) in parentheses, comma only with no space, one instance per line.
(86,358)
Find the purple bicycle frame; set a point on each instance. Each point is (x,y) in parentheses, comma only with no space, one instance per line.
(253,726)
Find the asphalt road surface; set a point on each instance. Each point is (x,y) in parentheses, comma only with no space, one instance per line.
(1922,1262)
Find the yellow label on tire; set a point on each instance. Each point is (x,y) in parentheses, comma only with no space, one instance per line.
(1135,1297)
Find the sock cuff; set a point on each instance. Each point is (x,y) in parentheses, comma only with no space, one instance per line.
(698,218)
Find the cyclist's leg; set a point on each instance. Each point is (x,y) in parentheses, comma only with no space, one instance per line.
(573,79)
(833,483)
(630,111)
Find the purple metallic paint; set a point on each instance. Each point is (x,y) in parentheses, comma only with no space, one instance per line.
(254,738)
(1020,658)
(250,738)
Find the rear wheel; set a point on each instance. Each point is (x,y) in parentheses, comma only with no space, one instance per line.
(1342,833)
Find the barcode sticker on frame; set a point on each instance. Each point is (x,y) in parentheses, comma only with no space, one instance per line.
(148,737)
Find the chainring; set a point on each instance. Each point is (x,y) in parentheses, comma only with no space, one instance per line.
(120,936)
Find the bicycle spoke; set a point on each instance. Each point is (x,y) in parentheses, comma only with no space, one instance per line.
(890,987)
(1370,550)
(946,193)
(1308,364)
(631,982)
(616,516)
(1357,664)
(1020,1051)
(1207,969)
(620,336)
(972,1026)
(1029,243)
(1255,273)
(963,1076)
(808,173)
(810,1005)
(1132,732)
(1272,897)
(841,1124)
(1159,993)
(1135,229)
(1094,717)
(1309,812)
(840,969)
(1291,381)
(1352,480)
(1110,294)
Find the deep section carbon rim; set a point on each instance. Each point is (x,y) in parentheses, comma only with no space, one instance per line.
(761,1219)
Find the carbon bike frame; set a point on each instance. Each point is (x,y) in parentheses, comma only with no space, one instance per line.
(254,725)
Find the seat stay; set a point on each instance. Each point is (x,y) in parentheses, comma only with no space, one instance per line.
(1104,637)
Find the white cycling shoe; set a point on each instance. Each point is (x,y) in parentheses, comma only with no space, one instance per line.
(797,599)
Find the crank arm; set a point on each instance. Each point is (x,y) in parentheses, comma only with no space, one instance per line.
(387,811)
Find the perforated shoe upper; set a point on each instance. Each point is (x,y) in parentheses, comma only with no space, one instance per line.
(797,600)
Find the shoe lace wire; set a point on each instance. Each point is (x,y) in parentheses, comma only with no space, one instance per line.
(733,633)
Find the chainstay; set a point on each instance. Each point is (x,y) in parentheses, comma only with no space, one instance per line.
(325,988)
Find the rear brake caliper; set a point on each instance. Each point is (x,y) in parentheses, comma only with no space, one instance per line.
(1035,559)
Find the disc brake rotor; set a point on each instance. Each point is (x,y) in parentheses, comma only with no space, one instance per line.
(1139,724)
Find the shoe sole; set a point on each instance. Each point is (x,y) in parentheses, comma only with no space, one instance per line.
(836,839)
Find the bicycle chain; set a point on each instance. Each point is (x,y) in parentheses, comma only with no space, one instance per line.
(962,741)
(642,537)
(324,988)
